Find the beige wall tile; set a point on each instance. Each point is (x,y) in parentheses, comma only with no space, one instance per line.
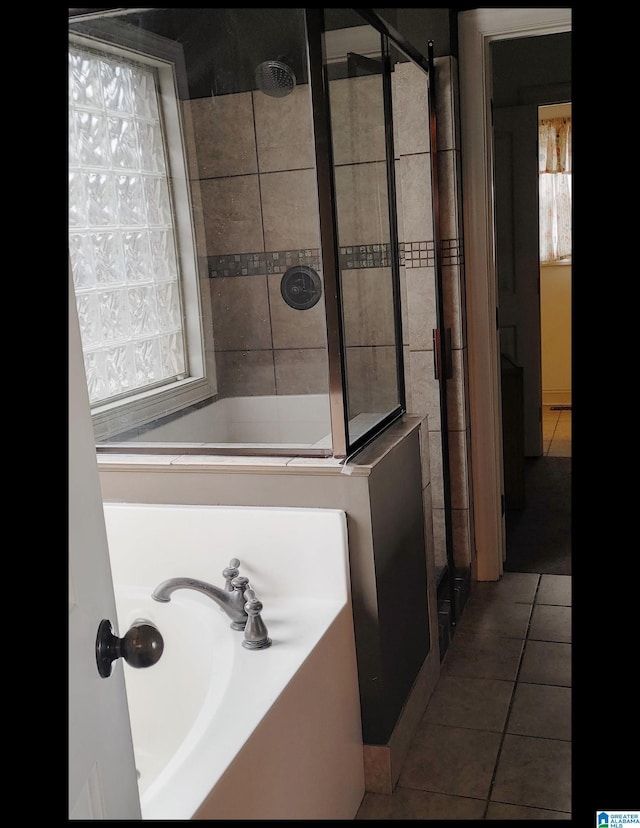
(461,530)
(404,305)
(240,310)
(435,445)
(428,534)
(245,373)
(410,87)
(446,78)
(464,355)
(223,134)
(417,210)
(421,311)
(439,537)
(399,207)
(371,379)
(455,394)
(425,455)
(452,303)
(357,119)
(232,216)
(448,186)
(455,86)
(302,371)
(293,328)
(198,223)
(367,302)
(459,469)
(425,388)
(406,357)
(457,167)
(290,210)
(284,131)
(362,204)
(190,141)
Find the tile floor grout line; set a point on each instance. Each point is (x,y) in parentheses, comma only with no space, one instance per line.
(485,802)
(513,694)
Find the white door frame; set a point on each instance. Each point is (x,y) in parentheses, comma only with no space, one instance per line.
(477,28)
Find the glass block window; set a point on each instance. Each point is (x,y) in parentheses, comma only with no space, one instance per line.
(122,239)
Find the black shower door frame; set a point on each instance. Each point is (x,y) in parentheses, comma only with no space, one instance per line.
(328,224)
(343,447)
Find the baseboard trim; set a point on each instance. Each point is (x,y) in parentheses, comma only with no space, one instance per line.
(556,397)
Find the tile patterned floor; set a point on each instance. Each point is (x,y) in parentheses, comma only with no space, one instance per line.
(495,740)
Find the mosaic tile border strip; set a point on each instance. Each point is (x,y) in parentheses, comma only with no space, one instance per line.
(422,253)
(351,257)
(280,260)
(236,264)
(452,252)
(257,264)
(356,257)
(417,254)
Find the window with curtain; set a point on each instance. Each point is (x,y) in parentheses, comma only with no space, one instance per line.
(554,167)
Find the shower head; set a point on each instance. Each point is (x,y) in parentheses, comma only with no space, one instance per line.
(275,78)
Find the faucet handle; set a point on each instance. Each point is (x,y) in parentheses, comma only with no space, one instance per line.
(256,636)
(240,583)
(230,572)
(238,586)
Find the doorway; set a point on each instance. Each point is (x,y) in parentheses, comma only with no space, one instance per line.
(534,306)
(556,289)
(478,30)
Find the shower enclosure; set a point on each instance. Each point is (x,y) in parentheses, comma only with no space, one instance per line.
(237,263)
(232,229)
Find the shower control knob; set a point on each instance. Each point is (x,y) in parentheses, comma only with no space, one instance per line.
(141,646)
(300,287)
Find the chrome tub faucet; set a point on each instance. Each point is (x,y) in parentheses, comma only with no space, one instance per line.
(231,598)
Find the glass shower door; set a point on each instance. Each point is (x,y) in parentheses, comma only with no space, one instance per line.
(362,145)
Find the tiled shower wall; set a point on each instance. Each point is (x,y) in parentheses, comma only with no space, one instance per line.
(418,279)
(256,169)
(254,159)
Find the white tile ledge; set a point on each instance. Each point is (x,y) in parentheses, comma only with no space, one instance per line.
(361,466)
(224,463)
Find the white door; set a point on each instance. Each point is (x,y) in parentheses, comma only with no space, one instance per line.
(515,131)
(102,774)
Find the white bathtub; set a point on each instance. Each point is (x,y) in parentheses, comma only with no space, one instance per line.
(219,731)
(296,420)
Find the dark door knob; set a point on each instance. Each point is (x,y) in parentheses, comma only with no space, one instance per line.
(141,646)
